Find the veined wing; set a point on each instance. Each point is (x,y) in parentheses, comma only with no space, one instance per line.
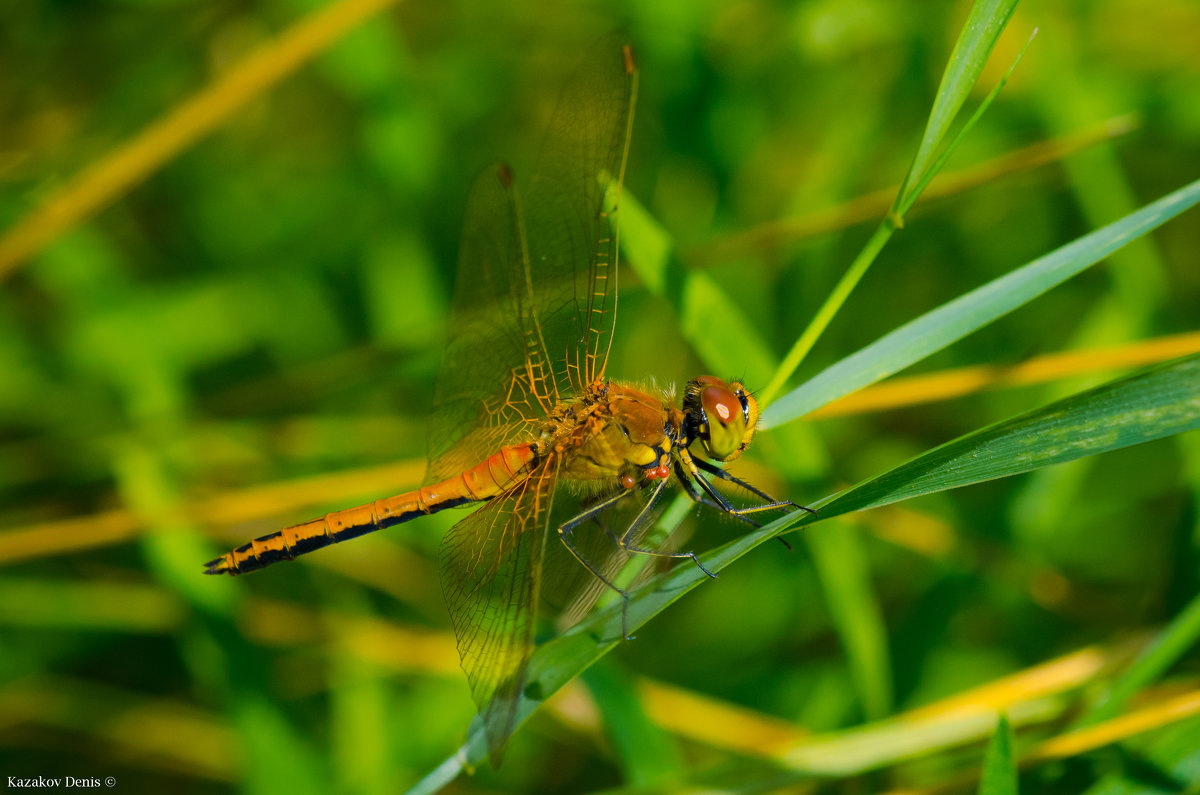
(572,239)
(535,299)
(491,565)
(491,389)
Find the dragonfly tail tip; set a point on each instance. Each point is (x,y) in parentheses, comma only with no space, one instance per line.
(216,566)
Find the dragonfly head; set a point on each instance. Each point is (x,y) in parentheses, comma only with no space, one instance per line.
(719,416)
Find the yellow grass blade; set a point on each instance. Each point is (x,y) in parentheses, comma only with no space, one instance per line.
(948,384)
(121,169)
(870,207)
(66,536)
(1151,716)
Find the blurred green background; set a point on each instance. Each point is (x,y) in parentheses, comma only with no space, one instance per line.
(181,372)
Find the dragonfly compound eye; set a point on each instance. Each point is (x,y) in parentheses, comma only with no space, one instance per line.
(722,416)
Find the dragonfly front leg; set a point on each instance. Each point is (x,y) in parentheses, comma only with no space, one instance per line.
(699,498)
(718,501)
(770,504)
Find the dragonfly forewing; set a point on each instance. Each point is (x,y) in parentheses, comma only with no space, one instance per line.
(535,299)
(572,236)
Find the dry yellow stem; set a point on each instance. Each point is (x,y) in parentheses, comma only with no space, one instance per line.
(126,166)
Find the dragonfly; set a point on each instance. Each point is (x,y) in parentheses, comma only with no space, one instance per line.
(564,462)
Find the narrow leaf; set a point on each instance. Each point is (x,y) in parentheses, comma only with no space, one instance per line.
(1161,401)
(983,27)
(951,322)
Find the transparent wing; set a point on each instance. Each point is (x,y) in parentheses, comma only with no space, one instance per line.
(535,299)
(491,565)
(572,239)
(487,395)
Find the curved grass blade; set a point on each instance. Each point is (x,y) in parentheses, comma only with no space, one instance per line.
(1157,402)
(952,321)
(1171,643)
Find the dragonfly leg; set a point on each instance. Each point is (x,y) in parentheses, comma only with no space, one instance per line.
(700,499)
(564,534)
(688,471)
(770,504)
(642,516)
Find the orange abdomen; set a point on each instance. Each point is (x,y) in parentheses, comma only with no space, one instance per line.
(481,482)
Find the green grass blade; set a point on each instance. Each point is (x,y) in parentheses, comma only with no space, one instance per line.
(999,764)
(708,319)
(905,200)
(975,43)
(1154,403)
(645,753)
(825,314)
(952,321)
(1161,401)
(1173,642)
(840,560)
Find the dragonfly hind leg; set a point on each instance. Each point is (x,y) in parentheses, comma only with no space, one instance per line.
(624,542)
(564,534)
(641,518)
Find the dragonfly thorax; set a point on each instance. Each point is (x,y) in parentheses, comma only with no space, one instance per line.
(718,416)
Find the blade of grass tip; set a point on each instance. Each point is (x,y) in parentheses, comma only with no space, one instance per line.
(999,765)
(985,22)
(905,201)
(1169,645)
(126,166)
(956,319)
(975,43)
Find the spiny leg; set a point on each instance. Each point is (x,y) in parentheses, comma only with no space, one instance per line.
(564,535)
(637,522)
(700,499)
(771,503)
(718,500)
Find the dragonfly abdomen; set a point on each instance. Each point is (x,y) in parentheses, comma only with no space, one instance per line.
(481,482)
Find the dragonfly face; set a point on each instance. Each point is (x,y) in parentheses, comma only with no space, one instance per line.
(719,416)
